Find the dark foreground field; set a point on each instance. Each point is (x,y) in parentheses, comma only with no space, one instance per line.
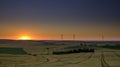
(69,53)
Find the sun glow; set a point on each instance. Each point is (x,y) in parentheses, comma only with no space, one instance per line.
(24,38)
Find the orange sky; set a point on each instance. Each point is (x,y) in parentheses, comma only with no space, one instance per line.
(47,20)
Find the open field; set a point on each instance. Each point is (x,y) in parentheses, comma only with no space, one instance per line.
(39,54)
(5,50)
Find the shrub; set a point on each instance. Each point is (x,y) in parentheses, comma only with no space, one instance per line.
(74,51)
(34,54)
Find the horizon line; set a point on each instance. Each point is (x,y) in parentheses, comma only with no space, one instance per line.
(57,40)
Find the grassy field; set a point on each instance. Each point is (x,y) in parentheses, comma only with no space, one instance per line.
(39,54)
(112,47)
(7,50)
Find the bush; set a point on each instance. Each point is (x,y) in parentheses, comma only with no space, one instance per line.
(34,54)
(74,51)
(29,54)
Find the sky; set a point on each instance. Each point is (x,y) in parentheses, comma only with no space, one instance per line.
(48,19)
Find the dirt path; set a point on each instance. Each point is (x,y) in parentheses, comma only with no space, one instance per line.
(103,62)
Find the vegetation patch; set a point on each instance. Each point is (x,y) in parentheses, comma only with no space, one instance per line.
(85,50)
(117,47)
(7,50)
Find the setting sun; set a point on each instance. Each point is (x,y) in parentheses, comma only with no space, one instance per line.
(25,38)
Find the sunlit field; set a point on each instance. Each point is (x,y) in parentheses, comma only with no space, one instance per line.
(40,54)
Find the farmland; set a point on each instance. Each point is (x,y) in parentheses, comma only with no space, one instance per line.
(40,54)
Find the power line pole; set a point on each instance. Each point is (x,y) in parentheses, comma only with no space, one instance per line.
(61,36)
(102,38)
(74,36)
